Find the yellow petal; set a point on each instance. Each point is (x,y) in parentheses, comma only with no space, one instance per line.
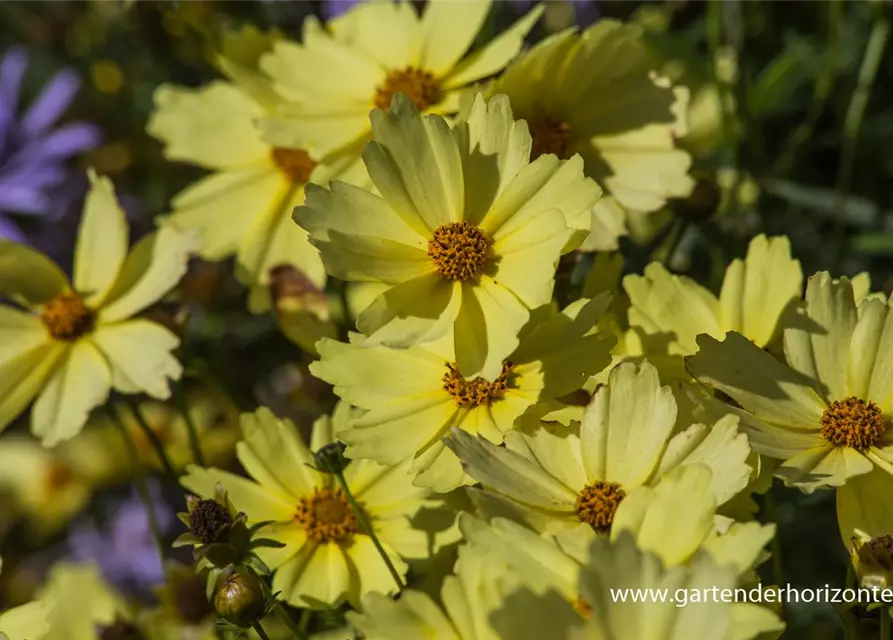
(674,518)
(102,241)
(741,546)
(863,503)
(29,275)
(274,454)
(213,126)
(665,303)
(387,32)
(324,71)
(492,57)
(259,504)
(824,353)
(880,385)
(626,426)
(757,381)
(21,331)
(486,328)
(511,474)
(757,291)
(25,622)
(79,601)
(369,568)
(23,376)
(237,197)
(81,382)
(448,29)
(555,448)
(316,129)
(413,616)
(353,257)
(494,148)
(324,581)
(414,162)
(416,311)
(823,466)
(139,354)
(154,267)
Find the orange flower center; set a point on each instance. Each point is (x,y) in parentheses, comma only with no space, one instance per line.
(327,516)
(853,423)
(473,393)
(597,503)
(66,317)
(419,85)
(295,164)
(550,136)
(459,250)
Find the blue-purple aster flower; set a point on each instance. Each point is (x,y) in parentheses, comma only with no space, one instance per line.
(124,549)
(33,150)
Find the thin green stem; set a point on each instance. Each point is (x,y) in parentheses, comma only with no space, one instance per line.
(153,438)
(367,526)
(885,624)
(852,122)
(191,429)
(259,630)
(142,486)
(304,622)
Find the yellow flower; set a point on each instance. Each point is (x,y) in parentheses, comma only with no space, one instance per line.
(756,295)
(595,93)
(467,233)
(414,396)
(557,478)
(327,557)
(244,206)
(825,410)
(25,622)
(80,605)
(73,342)
(48,488)
(476,589)
(335,76)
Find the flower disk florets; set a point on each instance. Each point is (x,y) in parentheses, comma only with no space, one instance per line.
(295,164)
(597,503)
(478,391)
(853,423)
(550,136)
(66,317)
(208,517)
(459,250)
(419,85)
(327,516)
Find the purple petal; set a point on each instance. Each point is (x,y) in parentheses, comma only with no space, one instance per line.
(23,199)
(64,142)
(9,231)
(52,102)
(12,69)
(334,8)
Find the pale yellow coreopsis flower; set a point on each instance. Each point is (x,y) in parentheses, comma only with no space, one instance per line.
(467,232)
(559,478)
(336,75)
(70,343)
(414,396)
(243,207)
(327,558)
(595,93)
(824,410)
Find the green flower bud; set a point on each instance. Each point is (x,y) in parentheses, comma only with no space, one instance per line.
(240,600)
(330,458)
(207,519)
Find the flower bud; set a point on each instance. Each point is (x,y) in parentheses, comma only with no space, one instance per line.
(873,560)
(207,519)
(330,458)
(240,600)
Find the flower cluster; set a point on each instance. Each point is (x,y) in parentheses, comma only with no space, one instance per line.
(511,424)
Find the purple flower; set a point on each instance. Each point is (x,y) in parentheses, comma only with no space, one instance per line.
(124,550)
(334,8)
(33,151)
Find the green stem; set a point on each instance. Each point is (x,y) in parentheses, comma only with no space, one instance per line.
(367,525)
(153,438)
(852,122)
(885,624)
(142,486)
(191,429)
(304,623)
(259,630)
